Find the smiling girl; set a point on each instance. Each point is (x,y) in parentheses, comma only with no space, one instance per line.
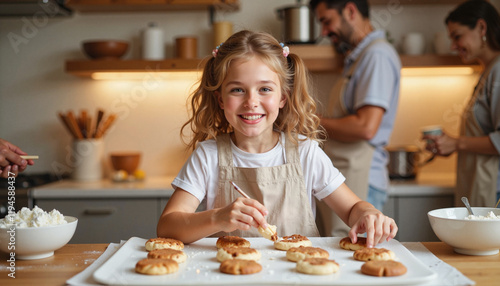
(254,123)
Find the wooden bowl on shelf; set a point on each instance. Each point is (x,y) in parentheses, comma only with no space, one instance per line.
(127,161)
(105,49)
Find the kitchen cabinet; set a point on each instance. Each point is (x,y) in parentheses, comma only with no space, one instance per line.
(88,6)
(410,214)
(410,201)
(105,220)
(317,58)
(106,210)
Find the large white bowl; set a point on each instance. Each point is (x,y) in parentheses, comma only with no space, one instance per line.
(37,242)
(471,237)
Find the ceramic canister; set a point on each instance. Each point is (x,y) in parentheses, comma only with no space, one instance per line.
(442,43)
(87,155)
(153,47)
(413,44)
(222,31)
(186,47)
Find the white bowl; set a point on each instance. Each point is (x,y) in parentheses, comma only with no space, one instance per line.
(37,242)
(471,237)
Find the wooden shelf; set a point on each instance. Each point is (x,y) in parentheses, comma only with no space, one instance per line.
(415,2)
(324,59)
(85,68)
(432,60)
(318,59)
(91,6)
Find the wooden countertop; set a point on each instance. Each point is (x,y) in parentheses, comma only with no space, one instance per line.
(74,258)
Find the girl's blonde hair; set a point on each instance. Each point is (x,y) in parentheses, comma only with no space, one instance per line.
(296,117)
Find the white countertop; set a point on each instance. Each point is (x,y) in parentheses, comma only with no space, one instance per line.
(156,187)
(426,184)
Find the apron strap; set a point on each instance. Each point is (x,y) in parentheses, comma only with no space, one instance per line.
(291,152)
(224,152)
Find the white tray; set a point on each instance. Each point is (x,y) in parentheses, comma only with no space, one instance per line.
(202,268)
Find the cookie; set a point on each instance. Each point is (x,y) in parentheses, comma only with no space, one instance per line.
(383,268)
(232,241)
(347,244)
(162,243)
(375,254)
(156,266)
(317,266)
(178,255)
(298,253)
(269,233)
(240,267)
(244,253)
(288,242)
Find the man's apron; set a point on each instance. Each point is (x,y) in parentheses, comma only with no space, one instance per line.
(281,189)
(476,173)
(353,159)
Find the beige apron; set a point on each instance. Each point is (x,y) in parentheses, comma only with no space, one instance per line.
(281,189)
(353,159)
(476,173)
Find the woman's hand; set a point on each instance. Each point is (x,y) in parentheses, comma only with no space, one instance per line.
(378,227)
(10,160)
(442,145)
(242,214)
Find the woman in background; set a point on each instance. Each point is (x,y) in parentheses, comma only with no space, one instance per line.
(474,28)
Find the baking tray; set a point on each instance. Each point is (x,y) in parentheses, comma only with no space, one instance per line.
(202,268)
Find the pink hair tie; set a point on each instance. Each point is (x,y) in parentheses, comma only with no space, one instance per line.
(286,50)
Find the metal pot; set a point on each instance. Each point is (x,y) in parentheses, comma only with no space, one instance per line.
(404,161)
(298,24)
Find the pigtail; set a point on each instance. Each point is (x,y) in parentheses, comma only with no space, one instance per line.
(300,110)
(206,116)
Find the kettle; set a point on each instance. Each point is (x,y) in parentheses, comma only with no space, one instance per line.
(298,24)
(404,161)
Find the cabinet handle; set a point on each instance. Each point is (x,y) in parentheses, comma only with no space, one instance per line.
(100,211)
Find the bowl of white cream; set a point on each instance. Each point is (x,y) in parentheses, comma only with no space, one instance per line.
(471,235)
(35,234)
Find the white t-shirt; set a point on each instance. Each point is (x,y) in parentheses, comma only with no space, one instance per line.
(200,174)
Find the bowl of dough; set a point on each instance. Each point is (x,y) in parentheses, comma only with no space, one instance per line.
(471,235)
(35,234)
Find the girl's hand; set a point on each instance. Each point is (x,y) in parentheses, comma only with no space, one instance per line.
(242,214)
(378,228)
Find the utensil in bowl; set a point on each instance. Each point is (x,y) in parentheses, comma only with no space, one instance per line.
(37,242)
(467,205)
(470,237)
(105,49)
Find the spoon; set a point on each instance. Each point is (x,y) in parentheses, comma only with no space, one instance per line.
(466,203)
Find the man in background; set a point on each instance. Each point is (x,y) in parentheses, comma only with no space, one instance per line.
(360,115)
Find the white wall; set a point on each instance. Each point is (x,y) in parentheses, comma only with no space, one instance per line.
(34,87)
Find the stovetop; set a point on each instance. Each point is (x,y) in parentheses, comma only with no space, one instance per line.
(26,181)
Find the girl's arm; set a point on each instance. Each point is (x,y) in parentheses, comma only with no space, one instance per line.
(180,221)
(361,216)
